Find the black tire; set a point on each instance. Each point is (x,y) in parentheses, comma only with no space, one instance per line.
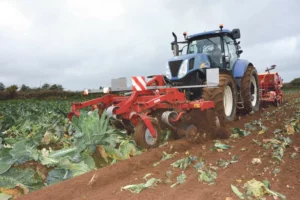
(139,134)
(217,95)
(247,90)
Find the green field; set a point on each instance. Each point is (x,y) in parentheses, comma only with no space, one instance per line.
(40,146)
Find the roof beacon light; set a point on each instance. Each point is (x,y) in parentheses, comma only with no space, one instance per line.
(221,26)
(184,35)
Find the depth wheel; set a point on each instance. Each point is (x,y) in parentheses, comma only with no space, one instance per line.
(250,90)
(224,97)
(143,137)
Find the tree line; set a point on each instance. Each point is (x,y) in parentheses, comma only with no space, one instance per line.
(25,88)
(293,84)
(24,91)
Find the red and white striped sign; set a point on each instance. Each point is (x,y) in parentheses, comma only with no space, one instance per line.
(138,83)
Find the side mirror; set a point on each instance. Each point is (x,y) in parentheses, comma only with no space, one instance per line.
(239,52)
(236,33)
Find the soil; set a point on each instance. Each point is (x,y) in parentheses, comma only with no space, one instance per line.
(106,182)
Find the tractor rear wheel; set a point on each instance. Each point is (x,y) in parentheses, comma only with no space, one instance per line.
(224,97)
(143,137)
(250,90)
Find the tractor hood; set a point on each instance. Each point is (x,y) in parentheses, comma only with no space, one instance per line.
(179,66)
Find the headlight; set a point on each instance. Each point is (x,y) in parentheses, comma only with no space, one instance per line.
(168,72)
(183,69)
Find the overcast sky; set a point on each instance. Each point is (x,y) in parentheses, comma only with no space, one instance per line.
(84,43)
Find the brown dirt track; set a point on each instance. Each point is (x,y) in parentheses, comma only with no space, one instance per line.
(111,178)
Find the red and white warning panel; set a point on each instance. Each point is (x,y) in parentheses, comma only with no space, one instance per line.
(138,83)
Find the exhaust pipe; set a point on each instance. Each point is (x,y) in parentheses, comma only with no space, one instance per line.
(174,45)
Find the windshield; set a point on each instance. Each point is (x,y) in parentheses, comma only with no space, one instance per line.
(209,46)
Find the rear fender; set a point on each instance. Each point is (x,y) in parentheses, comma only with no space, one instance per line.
(239,70)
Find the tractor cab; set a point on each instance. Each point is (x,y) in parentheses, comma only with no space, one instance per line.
(212,49)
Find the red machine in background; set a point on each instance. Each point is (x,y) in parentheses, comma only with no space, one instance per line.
(271,86)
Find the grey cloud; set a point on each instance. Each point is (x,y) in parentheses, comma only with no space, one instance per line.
(62,47)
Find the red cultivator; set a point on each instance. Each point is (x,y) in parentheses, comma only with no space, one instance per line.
(270,86)
(151,103)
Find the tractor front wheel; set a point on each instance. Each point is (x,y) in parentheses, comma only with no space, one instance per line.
(250,90)
(143,137)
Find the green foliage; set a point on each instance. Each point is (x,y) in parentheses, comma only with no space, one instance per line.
(24,88)
(207,176)
(294,85)
(22,178)
(45,86)
(6,160)
(180,179)
(220,146)
(295,82)
(5,196)
(184,162)
(90,131)
(12,90)
(39,132)
(58,175)
(237,192)
(2,86)
(139,187)
(224,163)
(258,190)
(56,87)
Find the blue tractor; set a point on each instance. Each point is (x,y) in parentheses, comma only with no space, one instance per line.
(238,89)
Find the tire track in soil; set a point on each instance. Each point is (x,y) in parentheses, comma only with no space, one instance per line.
(112,178)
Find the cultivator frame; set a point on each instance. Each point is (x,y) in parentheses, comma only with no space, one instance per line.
(143,98)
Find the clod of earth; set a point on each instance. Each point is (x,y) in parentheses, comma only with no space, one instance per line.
(294,155)
(256,161)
